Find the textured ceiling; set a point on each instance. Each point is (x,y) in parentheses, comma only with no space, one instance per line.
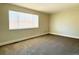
(48,7)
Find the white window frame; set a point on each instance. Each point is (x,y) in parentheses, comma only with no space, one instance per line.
(18,17)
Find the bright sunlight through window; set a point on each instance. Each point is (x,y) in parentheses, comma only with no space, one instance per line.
(20,20)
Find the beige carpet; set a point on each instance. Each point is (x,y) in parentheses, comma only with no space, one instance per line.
(43,45)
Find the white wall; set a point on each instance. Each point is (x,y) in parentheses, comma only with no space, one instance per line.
(7,36)
(65,23)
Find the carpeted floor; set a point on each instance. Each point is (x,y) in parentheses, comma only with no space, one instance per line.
(43,45)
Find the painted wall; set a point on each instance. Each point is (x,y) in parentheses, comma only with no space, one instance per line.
(65,23)
(7,35)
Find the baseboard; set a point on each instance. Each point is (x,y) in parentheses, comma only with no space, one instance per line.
(65,35)
(21,39)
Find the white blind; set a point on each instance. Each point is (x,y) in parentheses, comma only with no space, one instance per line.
(20,20)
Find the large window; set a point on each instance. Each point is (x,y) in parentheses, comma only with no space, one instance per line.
(20,20)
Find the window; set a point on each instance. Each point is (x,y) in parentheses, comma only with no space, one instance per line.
(20,20)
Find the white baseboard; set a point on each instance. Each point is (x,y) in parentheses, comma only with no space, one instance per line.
(17,40)
(65,35)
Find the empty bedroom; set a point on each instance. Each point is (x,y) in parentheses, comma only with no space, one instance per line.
(39,29)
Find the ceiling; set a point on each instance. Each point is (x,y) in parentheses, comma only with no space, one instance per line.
(48,7)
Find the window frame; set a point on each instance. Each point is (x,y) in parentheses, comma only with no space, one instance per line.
(17,20)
